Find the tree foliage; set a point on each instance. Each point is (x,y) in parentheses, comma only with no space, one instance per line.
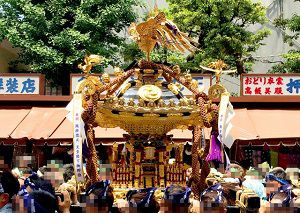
(292,58)
(221,29)
(54,35)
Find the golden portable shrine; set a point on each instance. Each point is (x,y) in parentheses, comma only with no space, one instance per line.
(146,101)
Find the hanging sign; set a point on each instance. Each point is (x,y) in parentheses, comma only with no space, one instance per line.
(77,137)
(24,84)
(226,113)
(270,84)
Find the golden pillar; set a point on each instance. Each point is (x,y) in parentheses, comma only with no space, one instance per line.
(131,163)
(137,174)
(161,168)
(115,162)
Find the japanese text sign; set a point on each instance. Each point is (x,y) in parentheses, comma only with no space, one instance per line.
(77,138)
(26,84)
(270,84)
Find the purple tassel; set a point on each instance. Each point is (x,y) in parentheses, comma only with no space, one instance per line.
(214,149)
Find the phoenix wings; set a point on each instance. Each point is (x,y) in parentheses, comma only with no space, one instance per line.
(159,30)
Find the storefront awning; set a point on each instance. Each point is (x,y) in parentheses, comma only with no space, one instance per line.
(40,123)
(10,119)
(65,131)
(50,124)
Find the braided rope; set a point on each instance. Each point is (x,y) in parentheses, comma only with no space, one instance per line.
(116,83)
(197,134)
(92,161)
(88,116)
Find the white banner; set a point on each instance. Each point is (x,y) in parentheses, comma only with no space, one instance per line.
(226,113)
(270,84)
(77,137)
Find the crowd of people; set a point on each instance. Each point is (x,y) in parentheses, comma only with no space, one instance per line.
(53,189)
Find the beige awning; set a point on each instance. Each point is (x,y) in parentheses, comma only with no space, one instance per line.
(40,123)
(65,131)
(276,123)
(51,124)
(10,119)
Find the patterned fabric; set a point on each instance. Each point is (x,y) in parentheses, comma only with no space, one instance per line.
(182,197)
(265,154)
(293,160)
(145,201)
(249,155)
(274,158)
(256,157)
(283,156)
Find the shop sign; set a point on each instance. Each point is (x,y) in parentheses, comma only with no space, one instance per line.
(24,84)
(270,84)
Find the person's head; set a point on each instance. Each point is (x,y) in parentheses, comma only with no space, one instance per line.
(9,186)
(278,172)
(26,172)
(99,197)
(176,199)
(274,179)
(142,200)
(213,200)
(54,173)
(237,171)
(37,201)
(41,171)
(68,172)
(35,183)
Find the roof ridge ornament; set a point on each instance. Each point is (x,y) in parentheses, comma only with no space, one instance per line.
(160,30)
(216,90)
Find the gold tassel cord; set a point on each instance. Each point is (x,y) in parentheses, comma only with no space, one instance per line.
(92,162)
(197,134)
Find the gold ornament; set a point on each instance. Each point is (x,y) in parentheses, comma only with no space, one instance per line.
(159,30)
(176,69)
(89,62)
(188,78)
(216,91)
(130,102)
(217,67)
(150,93)
(118,71)
(173,88)
(87,87)
(105,78)
(96,81)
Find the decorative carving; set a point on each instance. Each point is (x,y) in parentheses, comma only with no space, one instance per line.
(105,78)
(118,71)
(89,62)
(150,93)
(159,30)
